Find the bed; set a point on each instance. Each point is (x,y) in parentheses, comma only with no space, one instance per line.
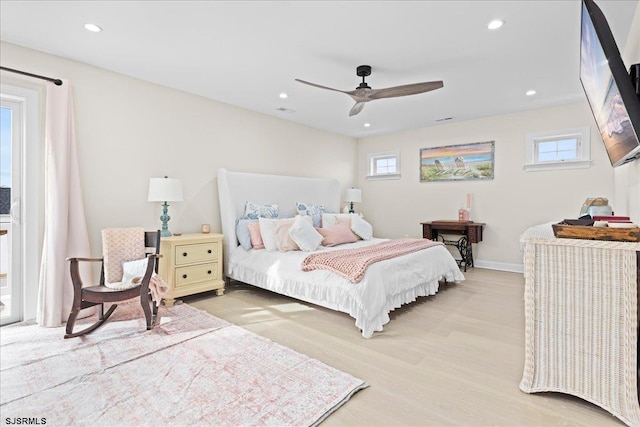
(386,284)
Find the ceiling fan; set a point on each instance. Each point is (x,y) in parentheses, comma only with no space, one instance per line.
(363,93)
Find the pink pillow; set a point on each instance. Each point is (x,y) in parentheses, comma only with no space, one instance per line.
(337,234)
(255,236)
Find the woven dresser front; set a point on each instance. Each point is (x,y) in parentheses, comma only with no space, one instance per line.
(581,321)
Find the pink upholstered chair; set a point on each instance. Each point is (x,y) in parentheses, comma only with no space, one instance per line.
(132,248)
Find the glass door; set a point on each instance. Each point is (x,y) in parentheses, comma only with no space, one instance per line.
(11,136)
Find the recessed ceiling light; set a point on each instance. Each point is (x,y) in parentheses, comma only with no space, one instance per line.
(530,92)
(495,24)
(367,125)
(284,95)
(93,28)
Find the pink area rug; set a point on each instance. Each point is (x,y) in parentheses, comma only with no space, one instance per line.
(191,369)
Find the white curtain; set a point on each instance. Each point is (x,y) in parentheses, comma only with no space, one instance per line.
(65,229)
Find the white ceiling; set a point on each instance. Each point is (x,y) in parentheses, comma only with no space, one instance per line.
(246,53)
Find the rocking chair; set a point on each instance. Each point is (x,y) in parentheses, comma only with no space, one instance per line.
(120,246)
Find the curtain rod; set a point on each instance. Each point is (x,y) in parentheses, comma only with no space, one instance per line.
(57,82)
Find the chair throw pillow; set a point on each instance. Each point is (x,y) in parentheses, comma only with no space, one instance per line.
(132,273)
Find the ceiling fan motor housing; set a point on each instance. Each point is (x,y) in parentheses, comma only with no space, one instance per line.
(363,71)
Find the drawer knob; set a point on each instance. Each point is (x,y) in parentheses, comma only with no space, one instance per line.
(184,276)
(184,254)
(209,251)
(209,272)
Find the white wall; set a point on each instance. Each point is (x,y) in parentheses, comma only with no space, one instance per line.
(627,177)
(510,203)
(129,130)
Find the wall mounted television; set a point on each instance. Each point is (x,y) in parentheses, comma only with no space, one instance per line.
(612,95)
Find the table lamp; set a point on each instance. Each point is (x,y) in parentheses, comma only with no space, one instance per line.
(165,190)
(352,195)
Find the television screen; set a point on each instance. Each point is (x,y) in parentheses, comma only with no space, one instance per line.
(607,84)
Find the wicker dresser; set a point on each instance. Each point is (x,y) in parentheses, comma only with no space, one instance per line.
(581,321)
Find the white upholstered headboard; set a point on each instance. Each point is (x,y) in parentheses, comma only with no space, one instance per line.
(236,188)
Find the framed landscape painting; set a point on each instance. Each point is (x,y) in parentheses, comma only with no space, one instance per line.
(462,162)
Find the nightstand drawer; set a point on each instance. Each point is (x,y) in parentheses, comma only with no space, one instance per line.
(196,273)
(188,254)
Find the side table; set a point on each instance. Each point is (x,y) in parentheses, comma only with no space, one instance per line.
(191,263)
(470,231)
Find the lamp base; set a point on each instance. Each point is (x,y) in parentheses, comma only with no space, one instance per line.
(351,208)
(165,219)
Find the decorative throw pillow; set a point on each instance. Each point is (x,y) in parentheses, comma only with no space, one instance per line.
(242,231)
(284,242)
(361,227)
(333,219)
(304,234)
(255,236)
(315,211)
(268,231)
(255,211)
(130,270)
(337,234)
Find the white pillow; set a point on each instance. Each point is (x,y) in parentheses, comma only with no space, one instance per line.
(333,219)
(361,227)
(130,270)
(268,231)
(304,234)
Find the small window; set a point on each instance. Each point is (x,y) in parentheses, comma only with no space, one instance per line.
(384,165)
(559,149)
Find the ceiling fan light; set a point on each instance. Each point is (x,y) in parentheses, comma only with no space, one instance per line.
(367,125)
(283,95)
(530,92)
(495,24)
(93,28)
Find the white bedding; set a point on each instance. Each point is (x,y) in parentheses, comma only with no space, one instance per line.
(387,284)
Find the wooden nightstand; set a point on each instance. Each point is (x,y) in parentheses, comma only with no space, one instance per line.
(191,263)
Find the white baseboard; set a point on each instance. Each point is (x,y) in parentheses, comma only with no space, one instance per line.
(502,266)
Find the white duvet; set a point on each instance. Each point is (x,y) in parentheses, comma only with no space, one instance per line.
(386,285)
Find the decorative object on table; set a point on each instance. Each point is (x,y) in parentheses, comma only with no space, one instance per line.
(461,162)
(352,195)
(630,232)
(596,206)
(165,190)
(206,229)
(464,213)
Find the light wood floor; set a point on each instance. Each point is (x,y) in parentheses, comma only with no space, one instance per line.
(453,359)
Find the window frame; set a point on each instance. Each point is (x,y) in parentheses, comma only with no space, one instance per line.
(583,149)
(374,157)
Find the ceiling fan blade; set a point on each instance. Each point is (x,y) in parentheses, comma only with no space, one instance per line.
(320,86)
(356,108)
(404,90)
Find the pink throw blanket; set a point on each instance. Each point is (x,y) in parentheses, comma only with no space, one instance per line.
(352,263)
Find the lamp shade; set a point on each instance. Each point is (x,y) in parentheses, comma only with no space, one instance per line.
(165,190)
(353,195)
